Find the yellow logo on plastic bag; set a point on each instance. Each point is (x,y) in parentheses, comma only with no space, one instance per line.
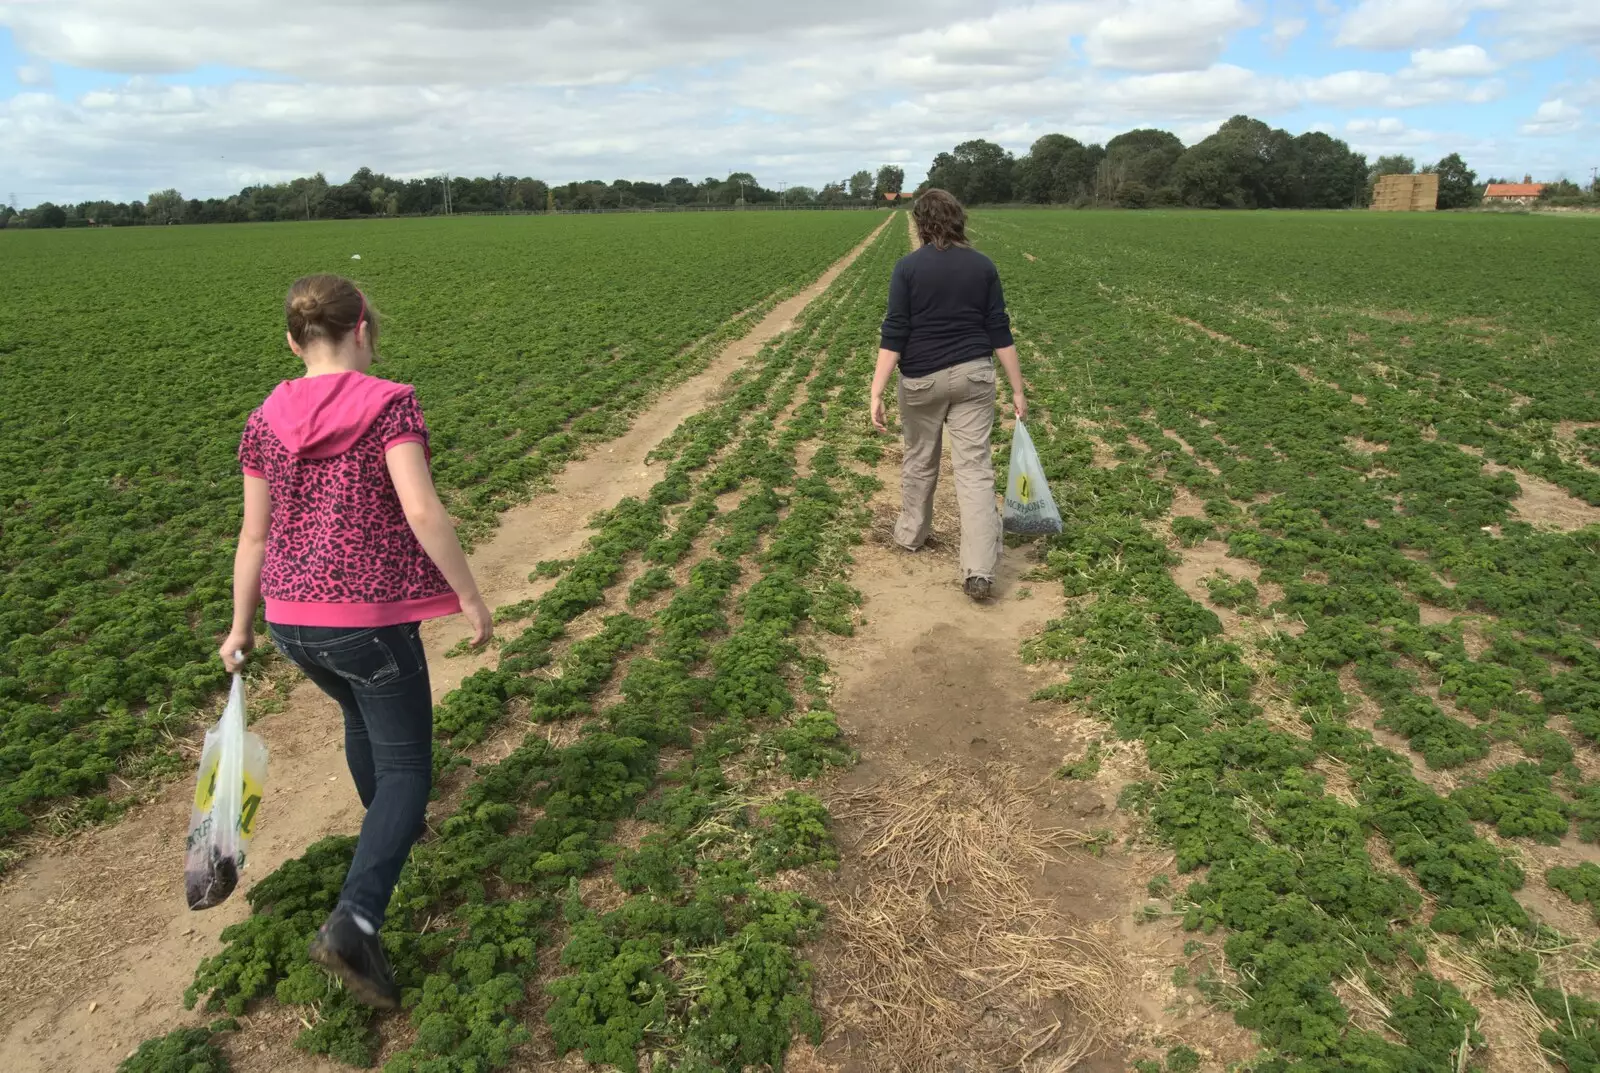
(205,787)
(1024,488)
(250,804)
(205,794)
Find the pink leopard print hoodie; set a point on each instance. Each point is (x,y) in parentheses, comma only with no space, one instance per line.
(339,550)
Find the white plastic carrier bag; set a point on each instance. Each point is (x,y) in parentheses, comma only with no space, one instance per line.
(227,804)
(1029,506)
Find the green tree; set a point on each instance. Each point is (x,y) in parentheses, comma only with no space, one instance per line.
(861,185)
(1248,165)
(1327,175)
(47,214)
(528,194)
(1394,164)
(164,207)
(680,191)
(1456,182)
(891,180)
(1227,170)
(1145,156)
(1057,169)
(976,172)
(740,184)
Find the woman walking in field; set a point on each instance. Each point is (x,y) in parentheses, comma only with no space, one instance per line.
(946,324)
(345,538)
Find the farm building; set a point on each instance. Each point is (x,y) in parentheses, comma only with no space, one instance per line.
(897,195)
(1524,193)
(1406,193)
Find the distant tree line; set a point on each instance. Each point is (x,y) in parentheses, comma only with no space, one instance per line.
(1564,193)
(370,193)
(1244,165)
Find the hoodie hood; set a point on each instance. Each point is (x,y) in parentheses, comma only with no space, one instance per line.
(323,416)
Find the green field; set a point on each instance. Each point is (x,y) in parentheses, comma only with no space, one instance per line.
(129,360)
(1377,430)
(1329,484)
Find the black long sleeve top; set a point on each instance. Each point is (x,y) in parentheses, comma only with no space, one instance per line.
(945,307)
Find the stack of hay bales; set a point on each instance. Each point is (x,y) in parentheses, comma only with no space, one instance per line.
(1406,193)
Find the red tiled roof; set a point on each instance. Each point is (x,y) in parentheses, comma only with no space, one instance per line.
(1513,190)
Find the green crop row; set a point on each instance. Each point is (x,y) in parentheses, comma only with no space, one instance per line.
(1331,422)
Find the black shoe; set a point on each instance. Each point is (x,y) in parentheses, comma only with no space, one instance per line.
(979,588)
(356,958)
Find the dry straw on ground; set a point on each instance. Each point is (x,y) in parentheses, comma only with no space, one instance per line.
(947,958)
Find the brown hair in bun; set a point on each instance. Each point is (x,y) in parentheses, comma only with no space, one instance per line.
(328,307)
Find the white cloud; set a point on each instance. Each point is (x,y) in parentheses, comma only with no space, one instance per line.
(1554,116)
(1219,90)
(1462,61)
(1395,24)
(1283,33)
(443,41)
(1166,35)
(1534,29)
(1409,89)
(1008,45)
(797,93)
(1525,28)
(1387,125)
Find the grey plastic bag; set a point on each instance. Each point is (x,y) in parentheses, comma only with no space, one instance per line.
(1029,506)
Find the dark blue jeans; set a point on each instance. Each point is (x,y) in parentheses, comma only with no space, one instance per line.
(379,676)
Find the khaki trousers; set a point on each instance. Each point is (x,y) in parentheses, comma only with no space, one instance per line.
(961,396)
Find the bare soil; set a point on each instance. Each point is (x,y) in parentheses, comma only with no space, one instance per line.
(933,693)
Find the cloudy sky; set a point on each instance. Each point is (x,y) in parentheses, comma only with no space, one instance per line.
(115,98)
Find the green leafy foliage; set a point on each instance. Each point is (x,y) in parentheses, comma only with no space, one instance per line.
(1581,883)
(1335,441)
(795,834)
(656,579)
(183,1050)
(811,744)
(1192,531)
(1228,591)
(264,949)
(1518,800)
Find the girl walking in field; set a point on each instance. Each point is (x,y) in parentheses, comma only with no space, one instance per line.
(345,538)
(946,324)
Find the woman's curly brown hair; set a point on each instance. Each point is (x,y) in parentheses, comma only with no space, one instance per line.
(940,219)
